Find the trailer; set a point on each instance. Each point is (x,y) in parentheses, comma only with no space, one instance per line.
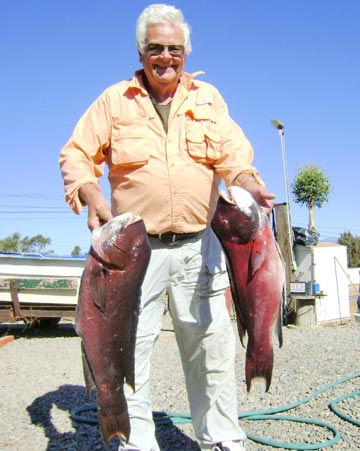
(38,288)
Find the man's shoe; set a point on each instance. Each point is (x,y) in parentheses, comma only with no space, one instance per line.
(238,445)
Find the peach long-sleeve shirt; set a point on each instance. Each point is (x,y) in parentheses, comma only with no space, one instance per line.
(170,179)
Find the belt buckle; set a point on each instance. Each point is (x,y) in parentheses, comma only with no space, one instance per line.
(171,240)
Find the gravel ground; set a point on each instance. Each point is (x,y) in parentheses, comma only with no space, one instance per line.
(41,382)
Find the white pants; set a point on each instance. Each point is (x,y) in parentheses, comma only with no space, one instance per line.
(193,274)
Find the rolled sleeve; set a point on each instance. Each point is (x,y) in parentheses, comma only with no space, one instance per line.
(82,159)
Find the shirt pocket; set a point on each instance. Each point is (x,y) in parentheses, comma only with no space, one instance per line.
(202,135)
(130,142)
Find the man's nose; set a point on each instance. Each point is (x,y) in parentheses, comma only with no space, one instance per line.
(165,53)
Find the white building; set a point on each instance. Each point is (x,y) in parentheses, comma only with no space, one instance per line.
(324,265)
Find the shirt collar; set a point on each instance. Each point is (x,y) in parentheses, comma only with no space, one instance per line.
(186,81)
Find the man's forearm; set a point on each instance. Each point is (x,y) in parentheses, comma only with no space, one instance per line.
(88,192)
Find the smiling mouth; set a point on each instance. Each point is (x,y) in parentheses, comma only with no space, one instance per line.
(164,69)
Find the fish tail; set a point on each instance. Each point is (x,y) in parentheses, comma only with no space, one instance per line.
(259,367)
(117,424)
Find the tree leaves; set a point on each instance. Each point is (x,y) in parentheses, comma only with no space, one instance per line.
(15,243)
(352,242)
(312,188)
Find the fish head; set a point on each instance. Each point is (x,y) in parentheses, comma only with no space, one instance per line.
(119,240)
(238,216)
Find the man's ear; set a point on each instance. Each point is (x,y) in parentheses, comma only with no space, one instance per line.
(140,57)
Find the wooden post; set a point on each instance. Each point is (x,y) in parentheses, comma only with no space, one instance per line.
(15,298)
(284,240)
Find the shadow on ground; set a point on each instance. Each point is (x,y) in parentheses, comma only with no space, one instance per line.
(52,412)
(23,330)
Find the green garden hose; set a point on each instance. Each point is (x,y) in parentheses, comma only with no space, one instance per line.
(165,418)
(339,413)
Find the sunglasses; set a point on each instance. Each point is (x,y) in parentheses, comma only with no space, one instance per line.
(158,49)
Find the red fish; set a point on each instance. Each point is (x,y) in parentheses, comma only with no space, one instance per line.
(107,316)
(256,274)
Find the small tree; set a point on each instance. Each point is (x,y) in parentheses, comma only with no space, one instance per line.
(11,243)
(76,251)
(15,243)
(311,187)
(353,246)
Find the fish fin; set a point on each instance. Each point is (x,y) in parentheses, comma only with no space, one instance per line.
(98,287)
(130,375)
(282,302)
(278,328)
(113,425)
(241,324)
(88,375)
(258,253)
(241,328)
(259,367)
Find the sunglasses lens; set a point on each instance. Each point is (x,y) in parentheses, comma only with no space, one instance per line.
(158,49)
(175,49)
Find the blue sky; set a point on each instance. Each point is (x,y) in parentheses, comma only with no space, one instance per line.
(295,61)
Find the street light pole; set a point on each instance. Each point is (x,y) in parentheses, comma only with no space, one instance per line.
(281,129)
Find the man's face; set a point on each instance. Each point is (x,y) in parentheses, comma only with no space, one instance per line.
(164,55)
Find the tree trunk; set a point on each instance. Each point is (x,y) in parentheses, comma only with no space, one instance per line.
(311,225)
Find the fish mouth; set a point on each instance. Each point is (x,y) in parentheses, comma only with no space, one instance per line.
(242,198)
(247,205)
(226,195)
(109,232)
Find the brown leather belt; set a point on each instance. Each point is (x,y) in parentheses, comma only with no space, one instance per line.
(169,237)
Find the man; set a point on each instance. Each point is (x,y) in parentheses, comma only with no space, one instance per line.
(167,140)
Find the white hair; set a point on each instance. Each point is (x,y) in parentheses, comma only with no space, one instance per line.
(160,13)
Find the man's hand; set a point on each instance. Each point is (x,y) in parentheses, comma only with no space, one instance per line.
(98,209)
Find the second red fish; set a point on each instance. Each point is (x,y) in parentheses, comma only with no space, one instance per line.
(256,274)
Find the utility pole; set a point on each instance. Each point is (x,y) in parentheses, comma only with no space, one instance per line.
(283,218)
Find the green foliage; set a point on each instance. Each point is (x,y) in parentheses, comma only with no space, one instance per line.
(352,242)
(15,243)
(76,251)
(311,186)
